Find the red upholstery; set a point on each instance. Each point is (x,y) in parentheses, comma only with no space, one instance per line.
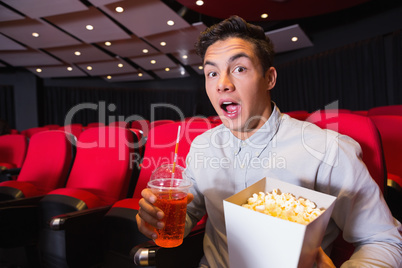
(13,148)
(32,131)
(122,124)
(52,127)
(390,127)
(101,172)
(300,115)
(362,112)
(363,130)
(46,165)
(74,129)
(160,122)
(161,145)
(386,110)
(95,124)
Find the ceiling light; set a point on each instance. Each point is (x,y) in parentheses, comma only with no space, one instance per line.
(108,44)
(120,65)
(109,77)
(38,70)
(170,22)
(89,68)
(264,16)
(200,67)
(119,9)
(153,61)
(167,69)
(163,43)
(69,68)
(199,3)
(35,34)
(77,53)
(145,50)
(139,74)
(89,27)
(183,72)
(184,56)
(294,38)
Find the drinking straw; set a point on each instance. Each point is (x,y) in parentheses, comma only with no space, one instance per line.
(176,149)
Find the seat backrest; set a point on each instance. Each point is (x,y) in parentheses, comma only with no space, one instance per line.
(386,110)
(32,131)
(13,149)
(299,114)
(390,127)
(363,130)
(160,147)
(48,160)
(103,162)
(74,129)
(160,122)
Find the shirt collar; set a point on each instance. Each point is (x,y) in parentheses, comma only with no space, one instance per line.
(262,137)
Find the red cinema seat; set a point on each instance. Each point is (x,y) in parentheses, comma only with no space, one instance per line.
(300,114)
(13,148)
(101,175)
(32,131)
(121,233)
(362,130)
(390,127)
(74,129)
(46,166)
(160,122)
(386,110)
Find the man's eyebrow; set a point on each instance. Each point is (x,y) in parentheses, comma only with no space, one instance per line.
(239,55)
(231,59)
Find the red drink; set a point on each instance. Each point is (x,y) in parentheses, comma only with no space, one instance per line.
(174,205)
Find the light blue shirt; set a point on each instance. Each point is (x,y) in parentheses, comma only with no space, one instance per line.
(220,165)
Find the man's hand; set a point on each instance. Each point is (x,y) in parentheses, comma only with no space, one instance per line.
(323,261)
(149,217)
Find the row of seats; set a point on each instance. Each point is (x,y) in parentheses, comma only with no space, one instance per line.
(110,231)
(74,212)
(364,130)
(144,125)
(380,110)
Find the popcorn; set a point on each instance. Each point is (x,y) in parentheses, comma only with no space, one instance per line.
(284,206)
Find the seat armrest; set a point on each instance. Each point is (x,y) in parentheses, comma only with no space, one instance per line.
(32,201)
(77,218)
(187,254)
(10,172)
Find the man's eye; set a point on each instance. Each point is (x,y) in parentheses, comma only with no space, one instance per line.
(239,69)
(211,74)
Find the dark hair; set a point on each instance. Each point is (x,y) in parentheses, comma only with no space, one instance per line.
(237,27)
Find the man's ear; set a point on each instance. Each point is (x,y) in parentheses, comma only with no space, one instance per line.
(270,76)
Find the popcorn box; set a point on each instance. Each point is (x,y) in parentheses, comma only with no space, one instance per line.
(259,240)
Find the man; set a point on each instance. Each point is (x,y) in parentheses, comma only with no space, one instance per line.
(257,141)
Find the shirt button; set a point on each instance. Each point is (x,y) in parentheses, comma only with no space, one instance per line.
(256,153)
(242,166)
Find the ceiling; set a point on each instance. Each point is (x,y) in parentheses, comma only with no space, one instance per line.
(150,39)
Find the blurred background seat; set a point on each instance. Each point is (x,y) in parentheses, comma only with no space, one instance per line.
(121,233)
(13,148)
(101,175)
(362,130)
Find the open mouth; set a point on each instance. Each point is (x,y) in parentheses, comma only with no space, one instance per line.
(230,108)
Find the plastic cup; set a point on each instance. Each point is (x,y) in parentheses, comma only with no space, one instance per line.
(171,191)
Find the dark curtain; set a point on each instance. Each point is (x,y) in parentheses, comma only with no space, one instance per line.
(397,66)
(7,110)
(354,76)
(87,105)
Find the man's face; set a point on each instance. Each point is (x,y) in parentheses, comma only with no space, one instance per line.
(236,85)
